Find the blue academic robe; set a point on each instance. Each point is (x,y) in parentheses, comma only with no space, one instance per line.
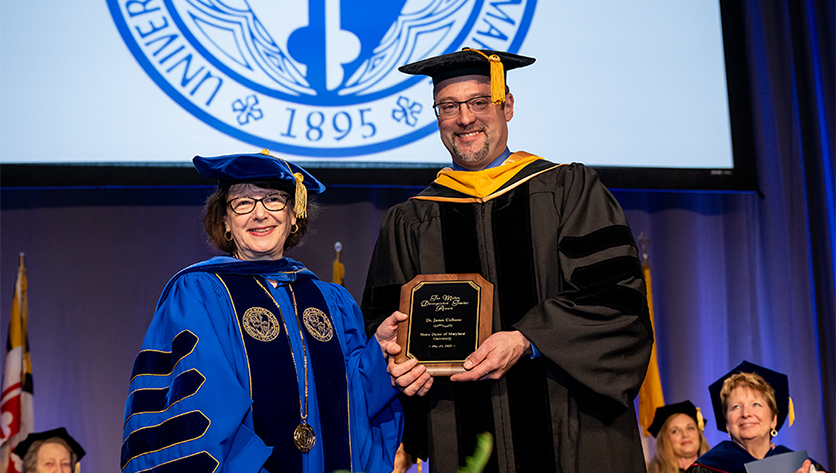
(204,421)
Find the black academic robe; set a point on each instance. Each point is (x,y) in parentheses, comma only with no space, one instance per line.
(566,273)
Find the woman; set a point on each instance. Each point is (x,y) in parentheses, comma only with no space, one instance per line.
(52,451)
(251,363)
(681,440)
(751,404)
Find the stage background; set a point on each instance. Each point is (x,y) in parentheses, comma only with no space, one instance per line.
(735,276)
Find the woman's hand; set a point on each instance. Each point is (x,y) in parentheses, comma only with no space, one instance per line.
(387,334)
(409,377)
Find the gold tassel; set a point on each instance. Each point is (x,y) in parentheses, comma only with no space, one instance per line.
(301,205)
(497,76)
(791,413)
(700,420)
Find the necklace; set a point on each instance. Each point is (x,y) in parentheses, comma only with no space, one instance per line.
(303,435)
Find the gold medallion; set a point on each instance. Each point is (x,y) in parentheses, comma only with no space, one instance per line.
(303,437)
(261,324)
(318,324)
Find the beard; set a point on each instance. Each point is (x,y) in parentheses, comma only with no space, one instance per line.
(474,157)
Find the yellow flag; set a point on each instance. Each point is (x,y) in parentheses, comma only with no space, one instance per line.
(650,395)
(339,269)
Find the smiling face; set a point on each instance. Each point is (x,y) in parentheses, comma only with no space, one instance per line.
(684,436)
(748,416)
(260,234)
(473,140)
(53,458)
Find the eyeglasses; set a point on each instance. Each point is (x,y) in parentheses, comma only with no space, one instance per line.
(245,205)
(451,109)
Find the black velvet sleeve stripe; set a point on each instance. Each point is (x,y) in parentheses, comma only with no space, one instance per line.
(199,463)
(183,428)
(157,400)
(162,363)
(607,237)
(606,272)
(622,299)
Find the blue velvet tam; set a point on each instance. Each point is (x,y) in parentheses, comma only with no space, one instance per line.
(234,168)
(778,381)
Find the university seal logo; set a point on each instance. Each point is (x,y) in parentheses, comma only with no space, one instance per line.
(318,324)
(261,324)
(316,78)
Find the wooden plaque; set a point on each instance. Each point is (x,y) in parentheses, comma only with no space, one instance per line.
(450,315)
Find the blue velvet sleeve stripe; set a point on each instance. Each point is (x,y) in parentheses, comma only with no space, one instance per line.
(599,240)
(199,463)
(148,400)
(182,428)
(162,363)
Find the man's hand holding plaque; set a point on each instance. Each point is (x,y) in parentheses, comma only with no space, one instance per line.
(450,316)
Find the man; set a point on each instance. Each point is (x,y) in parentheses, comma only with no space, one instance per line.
(52,451)
(555,382)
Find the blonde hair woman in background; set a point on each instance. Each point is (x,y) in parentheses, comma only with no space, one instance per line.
(679,438)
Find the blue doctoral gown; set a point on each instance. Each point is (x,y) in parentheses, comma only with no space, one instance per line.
(202,420)
(729,457)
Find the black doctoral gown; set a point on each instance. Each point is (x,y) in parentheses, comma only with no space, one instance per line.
(566,273)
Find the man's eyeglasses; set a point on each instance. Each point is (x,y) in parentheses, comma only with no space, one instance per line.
(451,109)
(245,205)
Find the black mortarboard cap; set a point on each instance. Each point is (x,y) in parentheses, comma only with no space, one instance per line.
(468,61)
(684,407)
(261,167)
(25,444)
(778,381)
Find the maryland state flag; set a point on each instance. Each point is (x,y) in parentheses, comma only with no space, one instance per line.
(650,395)
(16,415)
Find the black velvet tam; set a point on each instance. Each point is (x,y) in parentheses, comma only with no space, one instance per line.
(60,432)
(662,414)
(463,63)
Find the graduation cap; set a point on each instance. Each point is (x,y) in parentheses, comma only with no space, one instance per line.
(664,412)
(261,167)
(778,381)
(469,61)
(23,447)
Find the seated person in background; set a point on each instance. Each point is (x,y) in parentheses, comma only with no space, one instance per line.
(681,440)
(52,451)
(750,403)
